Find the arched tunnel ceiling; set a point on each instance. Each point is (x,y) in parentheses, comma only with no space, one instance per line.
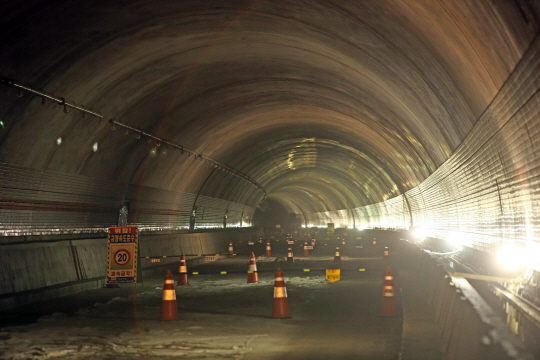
(326,104)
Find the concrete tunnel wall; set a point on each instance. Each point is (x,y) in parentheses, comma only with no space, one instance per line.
(37,268)
(487,192)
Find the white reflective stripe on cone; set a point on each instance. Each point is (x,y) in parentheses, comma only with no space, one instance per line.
(388,278)
(279,279)
(388,287)
(169,294)
(337,253)
(280,292)
(388,294)
(169,281)
(252,267)
(183,269)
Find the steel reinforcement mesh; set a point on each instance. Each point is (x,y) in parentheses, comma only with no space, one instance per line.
(34,202)
(487,193)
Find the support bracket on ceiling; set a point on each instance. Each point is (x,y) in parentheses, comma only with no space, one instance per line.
(62,101)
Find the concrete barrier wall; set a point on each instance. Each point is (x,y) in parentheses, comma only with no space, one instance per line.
(165,244)
(44,267)
(470,328)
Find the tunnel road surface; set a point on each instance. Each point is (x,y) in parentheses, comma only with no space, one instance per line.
(223,317)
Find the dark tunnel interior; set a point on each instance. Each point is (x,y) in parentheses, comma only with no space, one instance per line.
(207,122)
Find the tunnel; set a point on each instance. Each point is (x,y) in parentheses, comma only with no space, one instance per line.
(395,135)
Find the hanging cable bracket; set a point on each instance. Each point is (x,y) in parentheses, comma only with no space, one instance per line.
(62,101)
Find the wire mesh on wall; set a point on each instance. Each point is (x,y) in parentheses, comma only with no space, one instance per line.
(36,202)
(488,192)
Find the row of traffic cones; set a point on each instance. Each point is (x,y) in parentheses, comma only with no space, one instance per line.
(183,280)
(253,276)
(388,302)
(269,249)
(169,309)
(290,257)
(230,252)
(280,309)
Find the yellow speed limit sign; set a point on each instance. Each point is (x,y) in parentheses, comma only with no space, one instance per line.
(333,275)
(122,255)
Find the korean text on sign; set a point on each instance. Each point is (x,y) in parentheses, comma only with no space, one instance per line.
(122,251)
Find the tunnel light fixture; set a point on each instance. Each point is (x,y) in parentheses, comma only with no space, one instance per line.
(418,233)
(2,124)
(455,239)
(533,255)
(59,141)
(95,147)
(512,257)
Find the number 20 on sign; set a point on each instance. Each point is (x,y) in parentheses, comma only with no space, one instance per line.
(122,255)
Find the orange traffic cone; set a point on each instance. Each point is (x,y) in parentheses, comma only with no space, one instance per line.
(253,276)
(168,304)
(268,249)
(312,242)
(290,258)
(337,258)
(343,242)
(306,251)
(386,251)
(388,277)
(182,277)
(388,303)
(281,304)
(231,251)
